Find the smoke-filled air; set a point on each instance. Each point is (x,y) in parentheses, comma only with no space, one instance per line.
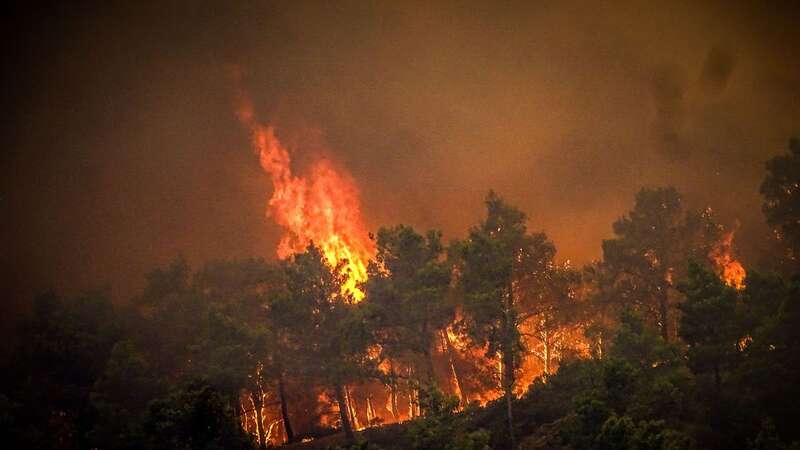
(401,226)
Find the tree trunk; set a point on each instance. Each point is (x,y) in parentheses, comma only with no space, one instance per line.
(508,390)
(430,377)
(370,411)
(449,350)
(429,373)
(287,426)
(352,408)
(600,346)
(664,311)
(413,405)
(393,393)
(245,415)
(547,349)
(242,415)
(507,347)
(343,414)
(411,402)
(262,444)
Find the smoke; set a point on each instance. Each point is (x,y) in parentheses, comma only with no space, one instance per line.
(122,150)
(677,103)
(717,70)
(668,90)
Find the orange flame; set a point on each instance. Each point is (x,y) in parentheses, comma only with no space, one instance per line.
(322,207)
(729,269)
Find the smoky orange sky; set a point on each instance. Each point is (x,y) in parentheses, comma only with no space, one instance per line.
(122,148)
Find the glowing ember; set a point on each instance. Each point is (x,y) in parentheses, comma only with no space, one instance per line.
(729,269)
(322,207)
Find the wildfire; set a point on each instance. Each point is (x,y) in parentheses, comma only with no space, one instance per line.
(322,207)
(728,267)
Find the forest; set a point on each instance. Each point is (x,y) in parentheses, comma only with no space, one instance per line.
(489,341)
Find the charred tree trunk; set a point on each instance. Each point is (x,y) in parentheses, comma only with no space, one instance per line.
(344,414)
(287,425)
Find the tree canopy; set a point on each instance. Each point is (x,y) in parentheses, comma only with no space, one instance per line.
(489,341)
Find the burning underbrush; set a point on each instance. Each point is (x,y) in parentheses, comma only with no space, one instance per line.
(460,370)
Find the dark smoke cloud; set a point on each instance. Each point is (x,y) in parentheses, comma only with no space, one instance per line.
(676,101)
(668,89)
(121,148)
(717,70)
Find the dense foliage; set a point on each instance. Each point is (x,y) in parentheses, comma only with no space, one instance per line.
(649,348)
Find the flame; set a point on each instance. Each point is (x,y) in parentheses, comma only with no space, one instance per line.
(322,207)
(729,269)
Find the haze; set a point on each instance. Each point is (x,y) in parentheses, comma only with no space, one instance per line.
(122,148)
